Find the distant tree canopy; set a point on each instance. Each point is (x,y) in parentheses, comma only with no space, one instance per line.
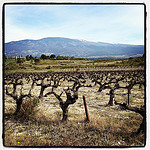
(43,56)
(69,58)
(19,60)
(29,57)
(52,56)
(36,60)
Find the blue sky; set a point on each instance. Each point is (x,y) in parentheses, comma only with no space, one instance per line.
(104,23)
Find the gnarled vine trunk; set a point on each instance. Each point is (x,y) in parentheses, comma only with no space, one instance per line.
(111,93)
(18,106)
(65,114)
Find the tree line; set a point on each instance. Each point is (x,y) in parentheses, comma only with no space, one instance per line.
(44,57)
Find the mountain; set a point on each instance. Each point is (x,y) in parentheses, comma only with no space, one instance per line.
(71,47)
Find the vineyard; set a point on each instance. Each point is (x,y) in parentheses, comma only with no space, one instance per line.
(47,109)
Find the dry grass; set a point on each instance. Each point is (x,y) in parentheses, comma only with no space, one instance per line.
(108,126)
(66,65)
(98,132)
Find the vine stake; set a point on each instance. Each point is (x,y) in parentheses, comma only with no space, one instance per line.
(86,110)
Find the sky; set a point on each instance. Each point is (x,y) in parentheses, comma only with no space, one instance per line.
(100,23)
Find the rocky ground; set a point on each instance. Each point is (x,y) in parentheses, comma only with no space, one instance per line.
(108,126)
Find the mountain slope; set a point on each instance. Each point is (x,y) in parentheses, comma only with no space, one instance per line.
(70,47)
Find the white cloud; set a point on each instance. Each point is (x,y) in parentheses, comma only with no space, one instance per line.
(109,24)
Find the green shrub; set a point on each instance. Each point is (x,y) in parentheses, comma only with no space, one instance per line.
(19,60)
(36,60)
(14,66)
(29,106)
(37,68)
(68,66)
(50,71)
(11,66)
(48,67)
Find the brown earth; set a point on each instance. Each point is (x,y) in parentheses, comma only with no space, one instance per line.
(108,126)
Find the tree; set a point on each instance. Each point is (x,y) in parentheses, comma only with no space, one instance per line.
(59,57)
(14,94)
(19,60)
(71,93)
(52,56)
(27,57)
(31,57)
(18,83)
(72,57)
(43,56)
(36,60)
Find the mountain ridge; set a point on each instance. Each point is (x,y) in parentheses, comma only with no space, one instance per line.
(70,47)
